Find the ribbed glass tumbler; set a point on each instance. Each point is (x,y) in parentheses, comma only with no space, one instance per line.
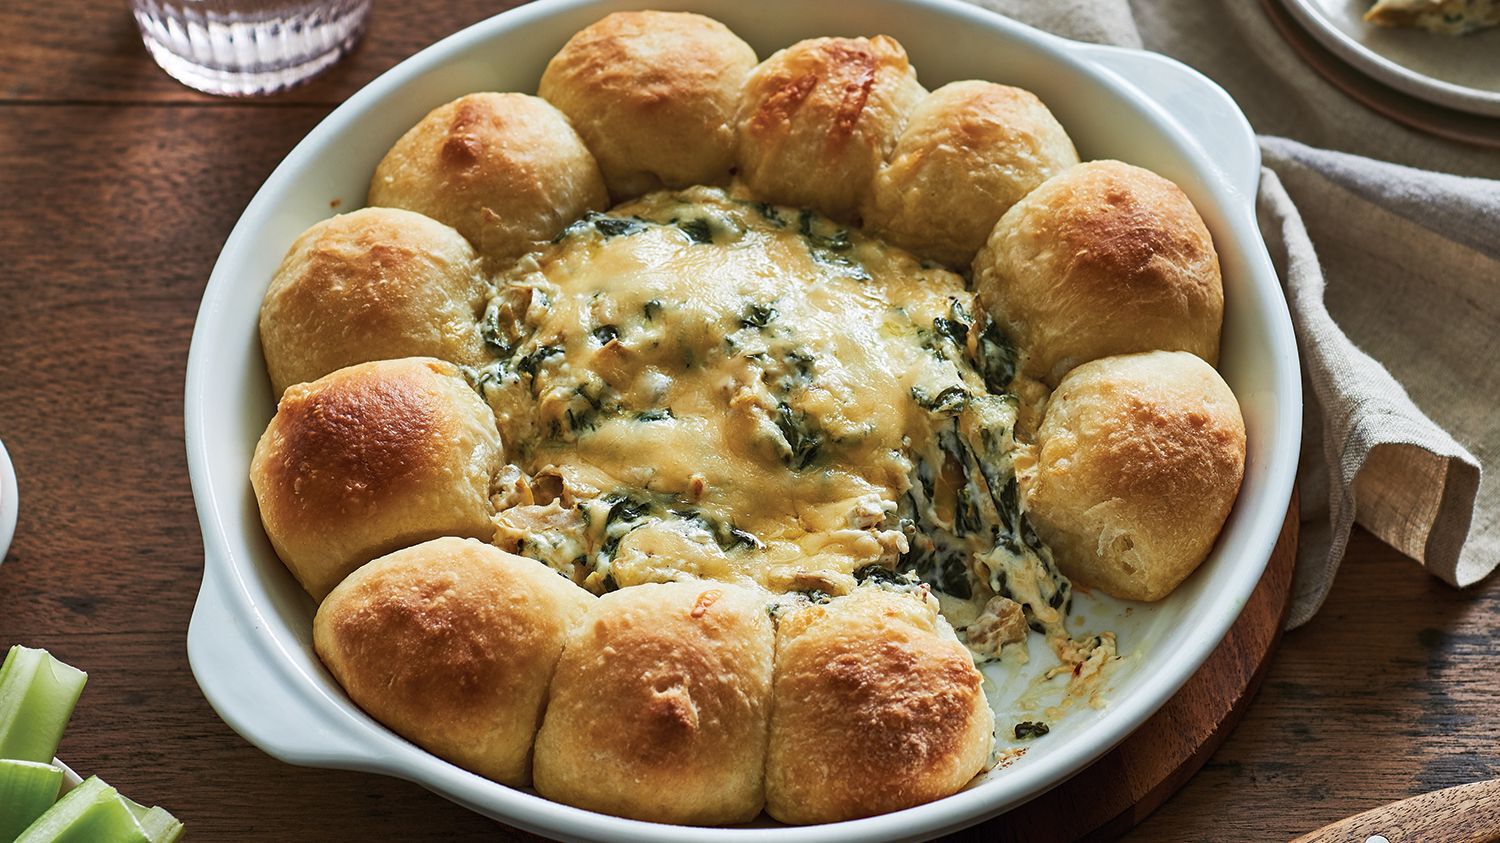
(248,47)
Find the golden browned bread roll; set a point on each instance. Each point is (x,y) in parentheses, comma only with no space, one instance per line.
(451,644)
(506,170)
(372,458)
(1136,465)
(819,117)
(659,706)
(969,152)
(653,95)
(375,284)
(876,707)
(1104,258)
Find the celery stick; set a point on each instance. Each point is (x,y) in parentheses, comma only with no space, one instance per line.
(160,826)
(91,813)
(37,695)
(27,790)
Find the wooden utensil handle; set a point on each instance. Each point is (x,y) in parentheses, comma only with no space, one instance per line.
(1469,813)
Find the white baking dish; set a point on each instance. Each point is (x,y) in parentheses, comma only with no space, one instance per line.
(250,639)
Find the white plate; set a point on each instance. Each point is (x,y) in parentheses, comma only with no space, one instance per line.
(1461,72)
(10,499)
(249,642)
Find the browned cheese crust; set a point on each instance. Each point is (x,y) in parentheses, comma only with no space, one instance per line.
(452,644)
(877,707)
(653,95)
(659,706)
(819,117)
(372,458)
(1137,464)
(506,170)
(374,284)
(970,151)
(1104,258)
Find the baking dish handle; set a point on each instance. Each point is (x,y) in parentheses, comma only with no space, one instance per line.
(1206,111)
(244,675)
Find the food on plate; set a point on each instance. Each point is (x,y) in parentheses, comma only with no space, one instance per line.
(1446,17)
(660,705)
(1104,258)
(373,458)
(876,707)
(452,644)
(1136,465)
(653,95)
(970,151)
(374,284)
(749,392)
(819,117)
(816,476)
(37,696)
(506,170)
(97,813)
(27,790)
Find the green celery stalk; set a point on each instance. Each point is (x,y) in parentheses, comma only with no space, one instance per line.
(92,812)
(37,696)
(27,790)
(159,825)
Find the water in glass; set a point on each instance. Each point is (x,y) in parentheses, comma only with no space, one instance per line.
(248,47)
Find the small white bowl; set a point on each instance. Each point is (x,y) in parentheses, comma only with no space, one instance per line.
(250,638)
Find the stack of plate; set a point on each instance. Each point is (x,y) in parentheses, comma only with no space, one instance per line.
(1446,85)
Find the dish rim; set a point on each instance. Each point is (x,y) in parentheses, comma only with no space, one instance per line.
(1310,14)
(10,501)
(224,587)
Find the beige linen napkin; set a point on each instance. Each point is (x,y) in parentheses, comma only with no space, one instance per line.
(1392,274)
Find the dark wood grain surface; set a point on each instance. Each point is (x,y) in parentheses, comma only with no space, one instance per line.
(117,188)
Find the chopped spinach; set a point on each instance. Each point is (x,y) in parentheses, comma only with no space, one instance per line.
(803,439)
(997,358)
(1031,729)
(528,363)
(698,230)
(771,214)
(949,402)
(654,414)
(651,309)
(758,315)
(877,574)
(493,336)
(605,333)
(616,226)
(625,508)
(952,329)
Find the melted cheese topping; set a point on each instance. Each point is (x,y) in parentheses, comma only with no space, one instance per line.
(694,385)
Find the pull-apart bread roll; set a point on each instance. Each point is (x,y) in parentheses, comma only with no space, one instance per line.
(818,118)
(1104,258)
(970,151)
(1136,465)
(375,284)
(876,707)
(372,458)
(506,170)
(452,644)
(659,706)
(653,95)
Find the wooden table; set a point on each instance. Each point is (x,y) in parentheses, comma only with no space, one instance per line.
(117,188)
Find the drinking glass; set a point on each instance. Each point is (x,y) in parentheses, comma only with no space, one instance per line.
(248,47)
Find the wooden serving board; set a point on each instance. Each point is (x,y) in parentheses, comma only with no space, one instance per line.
(1135,778)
